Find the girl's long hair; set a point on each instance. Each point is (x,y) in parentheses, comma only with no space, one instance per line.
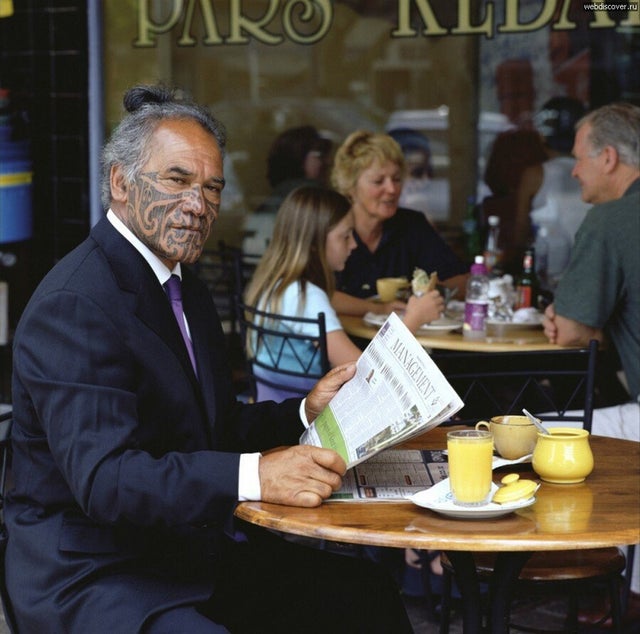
(297,251)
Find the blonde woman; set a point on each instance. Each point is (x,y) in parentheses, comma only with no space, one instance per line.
(312,239)
(369,171)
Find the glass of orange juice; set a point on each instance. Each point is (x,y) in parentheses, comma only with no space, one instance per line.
(470,466)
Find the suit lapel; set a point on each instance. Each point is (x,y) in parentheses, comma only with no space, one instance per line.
(154,310)
(135,276)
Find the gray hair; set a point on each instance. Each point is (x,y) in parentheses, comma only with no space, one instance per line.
(617,125)
(147,107)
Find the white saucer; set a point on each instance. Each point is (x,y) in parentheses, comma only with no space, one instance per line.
(534,321)
(438,498)
(444,324)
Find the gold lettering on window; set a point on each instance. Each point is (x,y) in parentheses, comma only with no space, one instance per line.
(239,23)
(147,28)
(431,25)
(309,11)
(308,21)
(212,36)
(464,20)
(512,17)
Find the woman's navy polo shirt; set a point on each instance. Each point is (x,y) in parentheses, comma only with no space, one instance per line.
(408,241)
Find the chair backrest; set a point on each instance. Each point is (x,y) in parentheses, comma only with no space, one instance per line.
(5,462)
(216,268)
(244,266)
(285,355)
(558,386)
(226,271)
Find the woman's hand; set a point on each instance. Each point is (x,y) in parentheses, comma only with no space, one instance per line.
(423,309)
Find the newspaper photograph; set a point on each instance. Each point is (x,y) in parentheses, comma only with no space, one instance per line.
(396,393)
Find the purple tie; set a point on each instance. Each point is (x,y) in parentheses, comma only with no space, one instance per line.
(174,290)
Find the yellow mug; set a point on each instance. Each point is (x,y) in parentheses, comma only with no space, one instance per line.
(470,455)
(513,436)
(388,287)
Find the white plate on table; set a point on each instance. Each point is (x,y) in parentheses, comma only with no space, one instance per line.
(514,325)
(442,325)
(523,318)
(438,498)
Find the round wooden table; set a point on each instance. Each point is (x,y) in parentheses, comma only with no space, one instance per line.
(513,340)
(602,511)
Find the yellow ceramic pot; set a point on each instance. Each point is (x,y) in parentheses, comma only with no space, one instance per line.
(563,456)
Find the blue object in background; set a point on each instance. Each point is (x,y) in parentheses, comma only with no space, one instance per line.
(16,189)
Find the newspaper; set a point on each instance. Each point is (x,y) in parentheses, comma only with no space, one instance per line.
(397,392)
(392,475)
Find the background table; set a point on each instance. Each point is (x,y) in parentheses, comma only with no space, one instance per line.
(515,339)
(603,511)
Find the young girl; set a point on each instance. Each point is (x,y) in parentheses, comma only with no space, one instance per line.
(312,239)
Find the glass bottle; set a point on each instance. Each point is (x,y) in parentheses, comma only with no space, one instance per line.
(492,251)
(476,305)
(528,287)
(553,249)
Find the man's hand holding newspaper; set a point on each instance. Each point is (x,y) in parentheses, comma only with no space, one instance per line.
(397,392)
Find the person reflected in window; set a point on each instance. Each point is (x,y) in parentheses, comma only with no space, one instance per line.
(418,191)
(298,156)
(312,239)
(391,241)
(512,153)
(548,197)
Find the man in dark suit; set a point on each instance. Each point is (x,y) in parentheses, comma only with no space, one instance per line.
(128,458)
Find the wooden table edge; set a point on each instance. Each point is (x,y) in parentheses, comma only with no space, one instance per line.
(266,515)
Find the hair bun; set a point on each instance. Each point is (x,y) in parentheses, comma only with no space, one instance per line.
(138,96)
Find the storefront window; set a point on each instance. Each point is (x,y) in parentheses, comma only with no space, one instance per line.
(457,71)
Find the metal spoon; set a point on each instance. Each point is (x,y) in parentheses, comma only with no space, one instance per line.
(536,421)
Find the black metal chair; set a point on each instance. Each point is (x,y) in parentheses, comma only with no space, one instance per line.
(226,271)
(559,383)
(280,361)
(216,268)
(244,267)
(5,462)
(559,387)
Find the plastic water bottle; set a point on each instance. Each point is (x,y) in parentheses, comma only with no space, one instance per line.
(476,305)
